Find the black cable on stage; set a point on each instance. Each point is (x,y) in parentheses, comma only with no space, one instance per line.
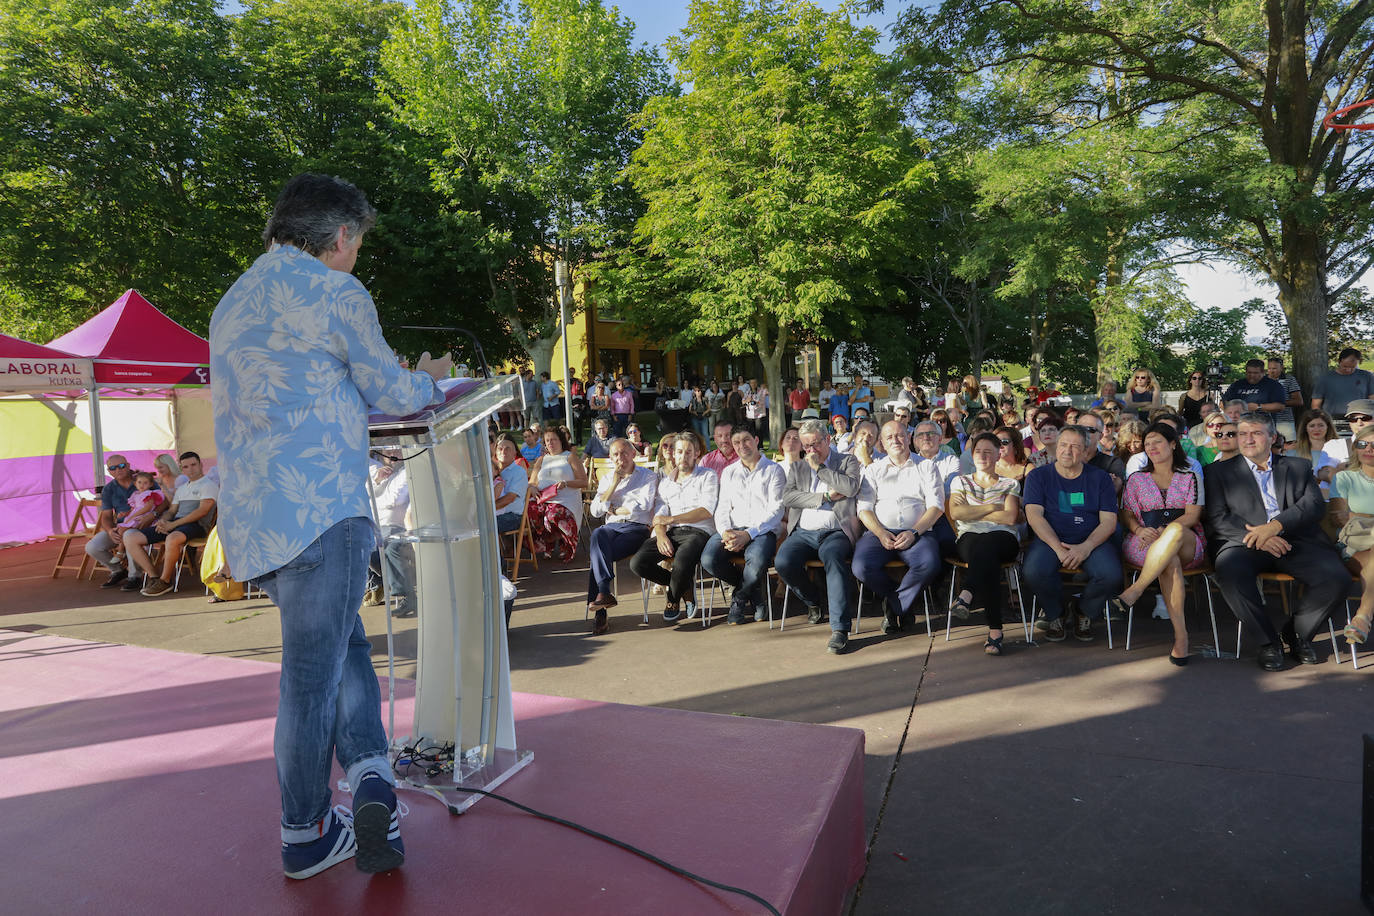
(453,809)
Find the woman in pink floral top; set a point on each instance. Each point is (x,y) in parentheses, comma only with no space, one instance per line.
(1161,508)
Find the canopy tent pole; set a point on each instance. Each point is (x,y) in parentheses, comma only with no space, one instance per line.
(97,444)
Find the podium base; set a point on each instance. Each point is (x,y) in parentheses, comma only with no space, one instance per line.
(456,787)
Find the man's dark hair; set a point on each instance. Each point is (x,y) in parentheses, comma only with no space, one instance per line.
(1349,352)
(1254,364)
(1276,359)
(738,428)
(719,423)
(310,210)
(184,455)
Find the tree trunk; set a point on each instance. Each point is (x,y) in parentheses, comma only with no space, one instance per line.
(541,353)
(770,357)
(1113,327)
(1040,338)
(1302,295)
(824,370)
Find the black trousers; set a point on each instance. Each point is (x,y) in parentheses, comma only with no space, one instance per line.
(985,552)
(688,543)
(1315,565)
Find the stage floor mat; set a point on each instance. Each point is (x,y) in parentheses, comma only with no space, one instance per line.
(138,780)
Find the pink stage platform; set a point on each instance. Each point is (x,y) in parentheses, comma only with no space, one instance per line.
(141,781)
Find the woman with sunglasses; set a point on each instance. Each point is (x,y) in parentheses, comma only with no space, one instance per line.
(1207,450)
(1143,395)
(1161,510)
(1352,507)
(1191,401)
(949,436)
(1011,455)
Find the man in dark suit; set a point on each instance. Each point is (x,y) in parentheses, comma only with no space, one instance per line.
(1263,514)
(822,524)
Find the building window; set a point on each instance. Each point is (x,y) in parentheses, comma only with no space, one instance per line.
(613,363)
(650,367)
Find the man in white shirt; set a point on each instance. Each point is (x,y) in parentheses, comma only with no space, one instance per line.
(682,523)
(822,524)
(900,500)
(185,517)
(391,499)
(748,521)
(625,499)
(927,439)
(823,399)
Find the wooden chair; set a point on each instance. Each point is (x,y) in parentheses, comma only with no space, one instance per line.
(888,567)
(1283,580)
(85,533)
(520,541)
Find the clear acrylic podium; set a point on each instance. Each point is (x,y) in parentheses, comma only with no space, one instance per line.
(463,714)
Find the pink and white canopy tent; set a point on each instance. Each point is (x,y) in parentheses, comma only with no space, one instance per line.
(154,376)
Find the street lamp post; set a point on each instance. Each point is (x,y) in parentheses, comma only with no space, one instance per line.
(561,280)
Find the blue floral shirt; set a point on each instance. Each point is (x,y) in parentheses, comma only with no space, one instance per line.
(296,359)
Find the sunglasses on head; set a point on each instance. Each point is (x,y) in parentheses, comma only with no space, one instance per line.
(116,467)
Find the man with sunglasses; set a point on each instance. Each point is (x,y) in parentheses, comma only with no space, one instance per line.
(1359,414)
(114,505)
(1092,426)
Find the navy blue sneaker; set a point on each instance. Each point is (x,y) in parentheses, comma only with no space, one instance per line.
(377,825)
(335,845)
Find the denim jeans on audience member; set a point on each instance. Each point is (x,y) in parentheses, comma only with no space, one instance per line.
(753,579)
(1102,570)
(400,565)
(833,549)
(330,703)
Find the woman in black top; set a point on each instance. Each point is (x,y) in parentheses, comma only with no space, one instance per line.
(1191,401)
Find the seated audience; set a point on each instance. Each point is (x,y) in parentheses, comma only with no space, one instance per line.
(625,498)
(555,512)
(723,455)
(1107,393)
(1162,513)
(1011,455)
(144,502)
(114,506)
(664,459)
(900,499)
(533,446)
(1315,431)
(168,475)
(748,521)
(1046,436)
(821,525)
(864,445)
(179,522)
(512,484)
(1359,414)
(1352,508)
(1264,514)
(842,440)
(599,445)
(1139,461)
(928,448)
(1071,508)
(1130,439)
(949,436)
(1092,427)
(986,508)
(681,524)
(789,448)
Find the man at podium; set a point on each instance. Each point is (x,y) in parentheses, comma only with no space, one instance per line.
(296,359)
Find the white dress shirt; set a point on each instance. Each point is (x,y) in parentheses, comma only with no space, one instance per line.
(822,519)
(751,500)
(947,466)
(1265,480)
(636,493)
(899,494)
(698,490)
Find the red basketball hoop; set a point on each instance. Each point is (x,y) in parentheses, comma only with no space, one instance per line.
(1333,121)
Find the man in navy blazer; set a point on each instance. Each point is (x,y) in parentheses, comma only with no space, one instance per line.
(1263,514)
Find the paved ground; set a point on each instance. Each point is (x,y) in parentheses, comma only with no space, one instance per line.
(1058,779)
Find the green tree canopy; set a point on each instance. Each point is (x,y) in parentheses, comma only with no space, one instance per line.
(774,185)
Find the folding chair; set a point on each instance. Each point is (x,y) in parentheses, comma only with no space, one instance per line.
(521,540)
(86,532)
(1012,572)
(890,565)
(1205,572)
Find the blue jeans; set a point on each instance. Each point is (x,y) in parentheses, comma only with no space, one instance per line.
(1102,569)
(507,522)
(833,549)
(400,565)
(922,560)
(702,425)
(753,579)
(610,543)
(330,702)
